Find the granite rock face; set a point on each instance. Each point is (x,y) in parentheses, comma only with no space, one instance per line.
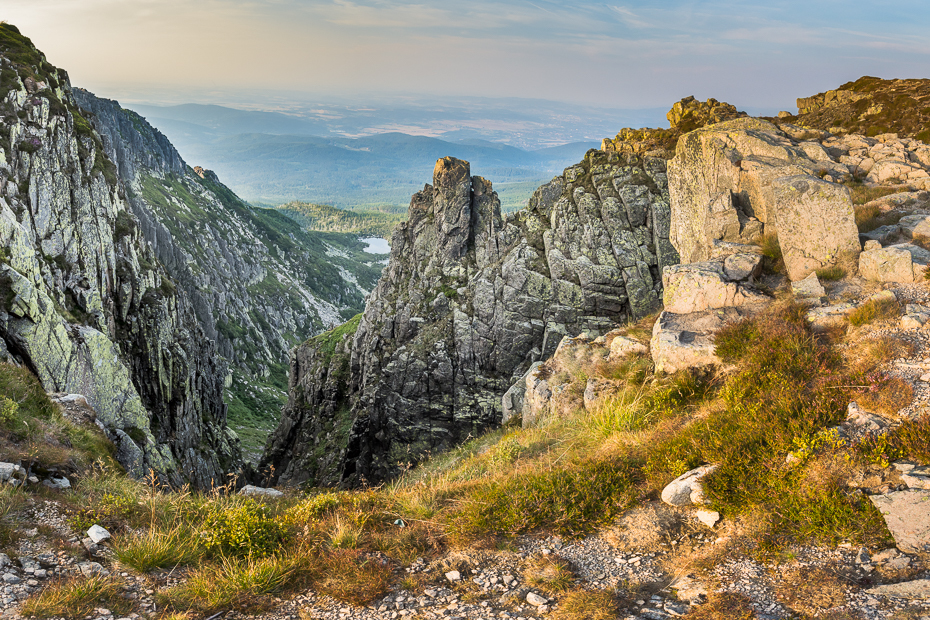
(258,282)
(736,181)
(83,302)
(426,366)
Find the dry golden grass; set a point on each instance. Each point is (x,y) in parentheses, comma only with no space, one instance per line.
(889,396)
(549,573)
(870,353)
(874,310)
(724,606)
(809,590)
(586,605)
(77,597)
(354,577)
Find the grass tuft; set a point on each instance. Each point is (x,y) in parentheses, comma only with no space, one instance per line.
(158,548)
(549,573)
(874,310)
(76,598)
(586,605)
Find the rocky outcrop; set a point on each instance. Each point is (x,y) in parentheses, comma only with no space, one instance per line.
(686,115)
(427,367)
(733,182)
(870,106)
(83,302)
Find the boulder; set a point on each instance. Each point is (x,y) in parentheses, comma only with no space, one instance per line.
(687,488)
(914,225)
(742,266)
(621,347)
(255,491)
(537,395)
(708,517)
(698,287)
(816,225)
(97,534)
(919,589)
(883,234)
(682,341)
(902,263)
(907,515)
(809,287)
(722,186)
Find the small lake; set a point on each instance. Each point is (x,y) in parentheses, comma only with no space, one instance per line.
(376,245)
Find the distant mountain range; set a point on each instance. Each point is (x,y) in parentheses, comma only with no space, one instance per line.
(272,157)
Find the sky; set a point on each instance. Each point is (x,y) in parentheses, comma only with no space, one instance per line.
(759,55)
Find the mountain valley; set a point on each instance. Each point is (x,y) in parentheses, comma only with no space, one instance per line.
(690,378)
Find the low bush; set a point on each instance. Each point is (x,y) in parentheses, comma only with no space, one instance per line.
(245,527)
(910,440)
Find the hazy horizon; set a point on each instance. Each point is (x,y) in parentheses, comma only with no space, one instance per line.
(609,56)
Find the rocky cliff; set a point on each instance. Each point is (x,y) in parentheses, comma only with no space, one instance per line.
(468,302)
(257,281)
(83,301)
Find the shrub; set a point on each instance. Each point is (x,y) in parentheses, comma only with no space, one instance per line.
(8,410)
(110,511)
(246,528)
(910,440)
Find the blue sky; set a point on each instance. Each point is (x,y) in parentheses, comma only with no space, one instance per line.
(606,54)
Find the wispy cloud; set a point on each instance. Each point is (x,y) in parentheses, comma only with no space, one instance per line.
(630,54)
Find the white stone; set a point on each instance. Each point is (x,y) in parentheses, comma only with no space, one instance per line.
(621,347)
(708,517)
(687,488)
(259,491)
(453,576)
(97,533)
(535,599)
(808,287)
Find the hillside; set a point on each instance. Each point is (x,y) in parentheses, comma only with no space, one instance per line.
(377,223)
(85,305)
(870,106)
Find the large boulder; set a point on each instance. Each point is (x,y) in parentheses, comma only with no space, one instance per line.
(727,183)
(903,263)
(907,515)
(681,341)
(698,287)
(816,225)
